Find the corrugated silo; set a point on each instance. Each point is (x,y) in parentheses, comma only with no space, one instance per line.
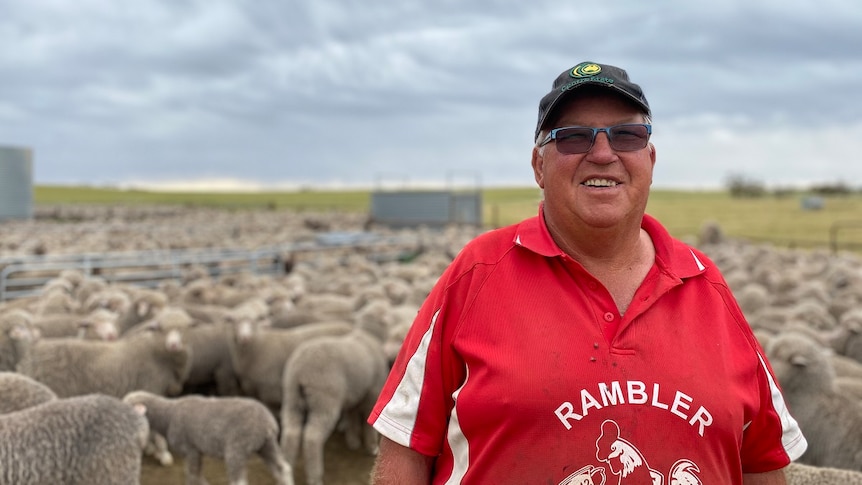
(16,183)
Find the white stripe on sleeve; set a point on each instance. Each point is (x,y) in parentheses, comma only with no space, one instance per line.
(791,436)
(458,442)
(398,417)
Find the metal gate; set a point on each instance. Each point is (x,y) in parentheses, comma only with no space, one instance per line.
(25,276)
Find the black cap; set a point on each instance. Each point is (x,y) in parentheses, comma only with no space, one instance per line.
(589,74)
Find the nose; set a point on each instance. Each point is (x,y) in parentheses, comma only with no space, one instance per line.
(601,151)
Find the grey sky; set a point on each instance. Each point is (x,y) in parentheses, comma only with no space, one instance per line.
(280,93)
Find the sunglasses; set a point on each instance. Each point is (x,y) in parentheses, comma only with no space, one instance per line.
(580,139)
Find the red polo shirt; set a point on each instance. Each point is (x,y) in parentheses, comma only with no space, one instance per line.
(519,369)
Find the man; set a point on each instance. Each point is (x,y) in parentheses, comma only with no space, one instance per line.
(584,345)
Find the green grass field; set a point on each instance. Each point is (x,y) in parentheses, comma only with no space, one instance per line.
(780,220)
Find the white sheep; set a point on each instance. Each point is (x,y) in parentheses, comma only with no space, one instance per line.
(752,298)
(18,392)
(145,304)
(228,428)
(212,367)
(100,324)
(328,378)
(848,339)
(85,440)
(830,420)
(15,324)
(327,306)
(55,300)
(110,298)
(153,360)
(258,354)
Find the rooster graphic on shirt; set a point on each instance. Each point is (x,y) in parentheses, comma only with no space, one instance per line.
(626,465)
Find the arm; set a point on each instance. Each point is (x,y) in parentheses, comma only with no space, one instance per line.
(399,465)
(775,477)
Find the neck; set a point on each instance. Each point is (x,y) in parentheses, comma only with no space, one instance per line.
(606,248)
(620,260)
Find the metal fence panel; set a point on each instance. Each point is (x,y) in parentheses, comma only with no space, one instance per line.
(26,275)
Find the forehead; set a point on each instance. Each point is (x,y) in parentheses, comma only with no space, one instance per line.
(594,106)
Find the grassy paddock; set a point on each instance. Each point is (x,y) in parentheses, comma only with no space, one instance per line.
(782,220)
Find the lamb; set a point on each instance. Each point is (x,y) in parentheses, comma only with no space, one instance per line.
(800,474)
(20,392)
(212,368)
(327,306)
(154,360)
(55,300)
(228,428)
(87,286)
(752,298)
(259,354)
(94,440)
(100,324)
(110,298)
(145,305)
(848,339)
(830,421)
(815,313)
(327,378)
(15,324)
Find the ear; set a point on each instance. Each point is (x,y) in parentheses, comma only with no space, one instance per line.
(538,163)
(140,408)
(799,360)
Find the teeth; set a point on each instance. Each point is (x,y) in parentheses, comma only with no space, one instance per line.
(600,183)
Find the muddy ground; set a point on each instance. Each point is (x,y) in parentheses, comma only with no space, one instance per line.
(342,467)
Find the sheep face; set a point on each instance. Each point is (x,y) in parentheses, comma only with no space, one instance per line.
(800,363)
(102,324)
(244,331)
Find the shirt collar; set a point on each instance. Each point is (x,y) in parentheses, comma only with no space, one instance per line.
(672,255)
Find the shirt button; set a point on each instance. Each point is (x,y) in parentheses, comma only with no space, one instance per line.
(592,285)
(609,317)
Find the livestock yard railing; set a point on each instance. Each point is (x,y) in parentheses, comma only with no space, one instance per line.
(26,275)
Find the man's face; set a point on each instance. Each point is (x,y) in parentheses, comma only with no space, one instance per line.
(601,188)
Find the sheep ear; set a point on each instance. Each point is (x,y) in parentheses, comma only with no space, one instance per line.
(140,408)
(799,360)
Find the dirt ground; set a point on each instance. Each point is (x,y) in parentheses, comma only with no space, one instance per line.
(342,467)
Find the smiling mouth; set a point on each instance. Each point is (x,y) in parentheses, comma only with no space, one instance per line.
(600,183)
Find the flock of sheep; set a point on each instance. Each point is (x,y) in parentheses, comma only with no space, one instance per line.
(201,361)
(95,375)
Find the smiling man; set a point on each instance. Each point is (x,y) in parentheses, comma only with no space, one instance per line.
(585,342)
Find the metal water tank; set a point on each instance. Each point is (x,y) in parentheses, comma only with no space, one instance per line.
(16,183)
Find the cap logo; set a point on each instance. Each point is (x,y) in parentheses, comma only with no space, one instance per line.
(586,69)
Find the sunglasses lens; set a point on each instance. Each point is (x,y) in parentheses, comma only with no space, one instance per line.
(574,140)
(627,138)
